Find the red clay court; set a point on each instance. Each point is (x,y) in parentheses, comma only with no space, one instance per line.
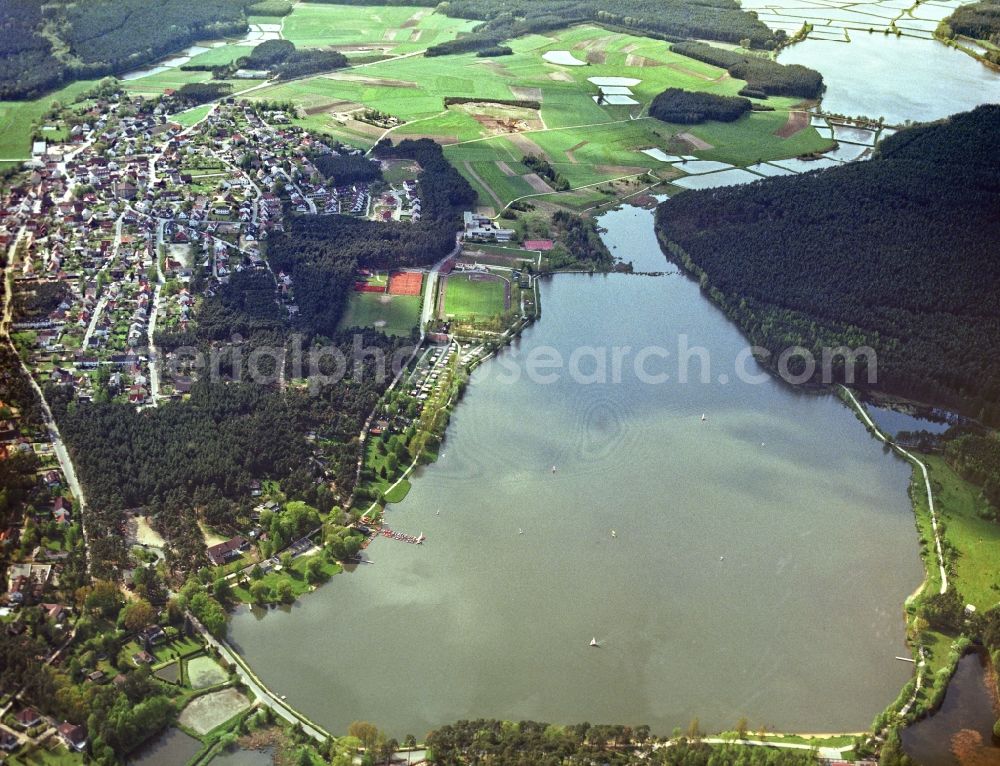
(406,283)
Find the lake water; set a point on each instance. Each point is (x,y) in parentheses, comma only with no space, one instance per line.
(170,748)
(899,78)
(758,567)
(961,732)
(893,422)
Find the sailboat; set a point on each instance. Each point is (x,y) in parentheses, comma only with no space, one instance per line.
(520,531)
(613,533)
(553,469)
(703,416)
(593,642)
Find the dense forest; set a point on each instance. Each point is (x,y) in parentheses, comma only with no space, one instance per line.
(43,45)
(689,107)
(347,169)
(529,743)
(666,19)
(890,253)
(194,459)
(322,253)
(27,65)
(980,21)
(763,75)
(282,60)
(976,457)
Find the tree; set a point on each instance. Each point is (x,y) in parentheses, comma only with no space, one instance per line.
(285,592)
(104,599)
(210,613)
(368,733)
(314,570)
(741,728)
(137,615)
(260,592)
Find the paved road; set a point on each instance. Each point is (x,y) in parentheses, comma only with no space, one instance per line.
(927,482)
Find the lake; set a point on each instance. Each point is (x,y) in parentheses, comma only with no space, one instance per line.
(758,566)
(899,78)
(961,731)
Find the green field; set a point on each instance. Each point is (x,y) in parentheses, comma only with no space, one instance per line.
(585,142)
(465,297)
(396,29)
(961,508)
(392,314)
(18,119)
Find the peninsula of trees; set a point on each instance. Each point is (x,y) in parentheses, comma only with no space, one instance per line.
(891,254)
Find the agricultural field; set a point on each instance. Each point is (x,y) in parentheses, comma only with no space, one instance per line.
(392,314)
(18,119)
(472,296)
(349,28)
(585,142)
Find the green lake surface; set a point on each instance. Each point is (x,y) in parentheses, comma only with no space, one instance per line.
(759,564)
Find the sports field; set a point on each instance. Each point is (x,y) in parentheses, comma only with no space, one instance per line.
(406,283)
(392,314)
(468,295)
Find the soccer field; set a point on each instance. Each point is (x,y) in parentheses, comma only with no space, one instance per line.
(465,297)
(392,314)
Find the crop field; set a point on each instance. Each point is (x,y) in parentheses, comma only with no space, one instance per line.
(472,296)
(392,314)
(586,143)
(396,29)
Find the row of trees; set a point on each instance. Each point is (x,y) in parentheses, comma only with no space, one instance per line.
(763,75)
(530,742)
(689,107)
(890,254)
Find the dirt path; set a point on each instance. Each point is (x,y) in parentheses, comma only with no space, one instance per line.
(796,121)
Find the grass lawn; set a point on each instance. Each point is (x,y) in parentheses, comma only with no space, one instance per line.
(19,118)
(392,314)
(977,539)
(467,297)
(399,493)
(191,116)
(295,576)
(55,755)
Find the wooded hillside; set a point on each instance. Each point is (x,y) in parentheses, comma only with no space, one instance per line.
(898,253)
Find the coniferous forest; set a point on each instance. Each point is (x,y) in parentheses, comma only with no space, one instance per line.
(894,253)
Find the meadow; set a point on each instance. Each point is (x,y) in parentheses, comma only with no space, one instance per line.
(586,142)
